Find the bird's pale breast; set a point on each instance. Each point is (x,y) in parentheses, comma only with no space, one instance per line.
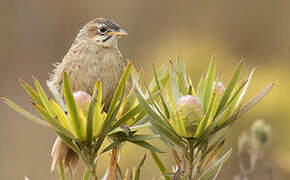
(85,65)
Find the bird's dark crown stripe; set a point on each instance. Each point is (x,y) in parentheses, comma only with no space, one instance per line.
(111,24)
(108,22)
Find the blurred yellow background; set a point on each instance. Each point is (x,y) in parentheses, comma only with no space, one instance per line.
(34,34)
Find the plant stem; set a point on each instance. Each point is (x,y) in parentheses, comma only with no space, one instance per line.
(93,173)
(92,167)
(91,164)
(190,159)
(113,164)
(190,169)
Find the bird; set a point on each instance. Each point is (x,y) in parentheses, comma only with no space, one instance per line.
(93,55)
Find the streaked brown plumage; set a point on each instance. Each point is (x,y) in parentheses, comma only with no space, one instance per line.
(93,55)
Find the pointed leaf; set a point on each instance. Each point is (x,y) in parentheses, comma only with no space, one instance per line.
(211,156)
(90,118)
(187,84)
(126,129)
(71,105)
(54,124)
(56,95)
(245,88)
(138,109)
(164,132)
(60,171)
(208,86)
(161,97)
(61,116)
(143,137)
(129,102)
(158,122)
(200,87)
(159,164)
(127,116)
(71,173)
(204,121)
(214,169)
(107,127)
(245,108)
(229,89)
(150,111)
(174,86)
(98,119)
(146,145)
(230,106)
(138,170)
(131,98)
(25,113)
(94,112)
(43,96)
(162,75)
(255,100)
(112,146)
(120,88)
(179,72)
(31,92)
(120,172)
(87,174)
(68,141)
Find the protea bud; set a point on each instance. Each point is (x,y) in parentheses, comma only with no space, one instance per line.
(82,99)
(219,87)
(260,132)
(190,111)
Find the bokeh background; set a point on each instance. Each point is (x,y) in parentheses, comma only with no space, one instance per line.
(34,34)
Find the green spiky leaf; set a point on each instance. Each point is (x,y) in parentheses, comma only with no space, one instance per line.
(71,105)
(229,89)
(159,164)
(146,145)
(31,92)
(25,113)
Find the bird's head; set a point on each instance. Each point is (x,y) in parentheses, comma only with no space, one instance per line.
(104,32)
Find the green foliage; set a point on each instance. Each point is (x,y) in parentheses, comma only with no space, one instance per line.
(85,133)
(87,174)
(220,109)
(60,171)
(195,134)
(159,164)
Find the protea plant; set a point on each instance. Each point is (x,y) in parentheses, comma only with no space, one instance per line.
(189,119)
(79,119)
(251,146)
(193,122)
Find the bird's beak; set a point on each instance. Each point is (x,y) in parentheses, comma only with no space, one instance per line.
(121,32)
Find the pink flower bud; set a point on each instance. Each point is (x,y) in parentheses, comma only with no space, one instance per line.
(82,99)
(190,111)
(219,87)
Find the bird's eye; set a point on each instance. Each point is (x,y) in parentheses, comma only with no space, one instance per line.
(102,30)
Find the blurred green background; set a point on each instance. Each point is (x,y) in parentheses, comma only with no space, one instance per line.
(34,34)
